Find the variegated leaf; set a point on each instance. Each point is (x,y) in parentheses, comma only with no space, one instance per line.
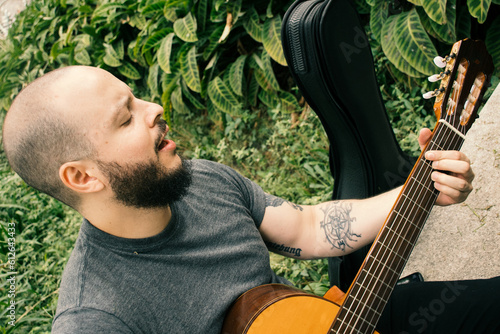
(413,42)
(269,100)
(191,98)
(189,69)
(268,71)
(390,49)
(479,9)
(289,103)
(252,24)
(378,14)
(177,102)
(153,78)
(446,32)
(492,43)
(271,38)
(222,98)
(236,75)
(417,2)
(436,9)
(128,70)
(153,8)
(155,39)
(185,28)
(82,57)
(164,52)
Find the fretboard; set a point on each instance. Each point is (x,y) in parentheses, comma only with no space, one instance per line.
(389,253)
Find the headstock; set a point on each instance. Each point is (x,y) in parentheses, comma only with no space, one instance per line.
(465,77)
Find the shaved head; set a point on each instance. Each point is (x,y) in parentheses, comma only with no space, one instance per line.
(39,136)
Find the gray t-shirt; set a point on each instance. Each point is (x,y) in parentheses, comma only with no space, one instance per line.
(180,281)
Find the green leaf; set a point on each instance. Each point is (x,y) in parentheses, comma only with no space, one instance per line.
(362,7)
(268,72)
(201,15)
(289,103)
(413,42)
(236,75)
(479,9)
(446,32)
(222,98)
(187,94)
(177,102)
(436,9)
(103,11)
(417,2)
(82,57)
(156,38)
(153,78)
(252,24)
(390,49)
(154,8)
(493,44)
(128,70)
(189,69)
(269,100)
(253,90)
(463,29)
(378,14)
(111,57)
(164,52)
(185,28)
(271,38)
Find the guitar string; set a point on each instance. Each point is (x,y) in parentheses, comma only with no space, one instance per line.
(449,145)
(444,143)
(407,245)
(371,279)
(407,207)
(410,244)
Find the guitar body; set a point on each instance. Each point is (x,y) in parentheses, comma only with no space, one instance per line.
(278,308)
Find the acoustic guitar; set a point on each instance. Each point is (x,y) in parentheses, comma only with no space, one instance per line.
(276,308)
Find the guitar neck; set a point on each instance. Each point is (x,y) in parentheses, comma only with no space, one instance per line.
(390,251)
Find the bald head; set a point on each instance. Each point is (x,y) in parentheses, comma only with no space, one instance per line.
(39,134)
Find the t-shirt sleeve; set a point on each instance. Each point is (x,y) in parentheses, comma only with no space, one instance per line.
(253,195)
(88,321)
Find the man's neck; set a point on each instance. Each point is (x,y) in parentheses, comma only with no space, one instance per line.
(129,222)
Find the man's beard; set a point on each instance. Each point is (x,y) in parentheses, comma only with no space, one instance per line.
(147,185)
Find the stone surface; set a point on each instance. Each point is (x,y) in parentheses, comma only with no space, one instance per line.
(463,241)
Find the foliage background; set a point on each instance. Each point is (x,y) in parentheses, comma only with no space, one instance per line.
(218,70)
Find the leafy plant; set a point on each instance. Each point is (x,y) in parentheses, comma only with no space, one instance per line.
(411,33)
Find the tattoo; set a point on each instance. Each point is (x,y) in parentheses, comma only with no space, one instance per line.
(337,225)
(283,248)
(276,201)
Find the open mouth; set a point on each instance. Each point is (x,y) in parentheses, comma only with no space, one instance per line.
(163,144)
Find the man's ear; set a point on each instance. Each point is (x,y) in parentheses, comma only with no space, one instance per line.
(81,176)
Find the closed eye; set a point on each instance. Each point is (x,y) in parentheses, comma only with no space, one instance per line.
(128,121)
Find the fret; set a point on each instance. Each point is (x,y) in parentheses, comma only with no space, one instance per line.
(416,203)
(365,302)
(426,186)
(389,253)
(401,238)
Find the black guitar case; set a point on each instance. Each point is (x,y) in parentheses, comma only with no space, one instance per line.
(330,59)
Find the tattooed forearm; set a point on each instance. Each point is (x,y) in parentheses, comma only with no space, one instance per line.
(284,249)
(276,201)
(337,225)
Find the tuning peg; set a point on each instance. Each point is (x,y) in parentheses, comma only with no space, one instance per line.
(435,77)
(432,93)
(440,61)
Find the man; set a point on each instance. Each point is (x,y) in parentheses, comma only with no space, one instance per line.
(167,244)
